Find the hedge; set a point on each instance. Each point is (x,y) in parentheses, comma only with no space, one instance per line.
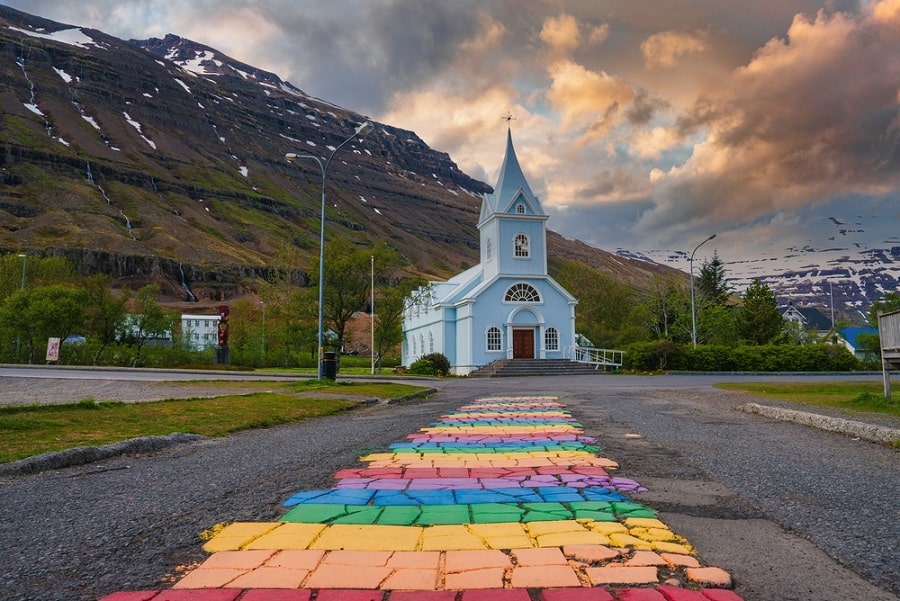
(664,355)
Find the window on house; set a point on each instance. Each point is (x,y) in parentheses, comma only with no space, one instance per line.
(520,209)
(522,293)
(494,340)
(430,342)
(551,339)
(487,249)
(522,246)
(422,343)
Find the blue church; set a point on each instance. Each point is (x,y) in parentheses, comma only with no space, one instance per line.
(507,306)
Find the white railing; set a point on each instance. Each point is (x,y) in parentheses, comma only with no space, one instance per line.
(598,357)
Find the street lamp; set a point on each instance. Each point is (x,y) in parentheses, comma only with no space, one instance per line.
(24,261)
(263,332)
(693,310)
(362,130)
(24,258)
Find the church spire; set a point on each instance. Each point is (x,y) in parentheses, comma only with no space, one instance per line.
(511,184)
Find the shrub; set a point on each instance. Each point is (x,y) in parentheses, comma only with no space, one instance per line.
(653,356)
(435,364)
(657,356)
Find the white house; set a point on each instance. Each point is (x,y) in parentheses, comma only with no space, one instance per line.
(507,306)
(199,332)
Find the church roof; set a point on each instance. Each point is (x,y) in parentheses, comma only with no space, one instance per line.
(511,184)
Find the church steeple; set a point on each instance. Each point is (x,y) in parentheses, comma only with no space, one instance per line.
(512,224)
(511,188)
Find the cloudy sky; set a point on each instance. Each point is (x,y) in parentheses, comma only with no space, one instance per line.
(641,124)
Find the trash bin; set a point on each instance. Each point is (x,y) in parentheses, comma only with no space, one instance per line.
(329,366)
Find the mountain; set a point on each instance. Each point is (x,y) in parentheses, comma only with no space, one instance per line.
(842,271)
(163,160)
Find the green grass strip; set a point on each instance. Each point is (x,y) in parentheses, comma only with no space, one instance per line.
(854,397)
(31,430)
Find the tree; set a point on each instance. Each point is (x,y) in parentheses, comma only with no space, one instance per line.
(245,332)
(33,316)
(666,310)
(712,289)
(104,312)
(891,302)
(148,320)
(390,304)
(32,271)
(759,320)
(717,324)
(348,281)
(300,327)
(16,325)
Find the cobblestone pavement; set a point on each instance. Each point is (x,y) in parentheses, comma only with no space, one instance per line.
(504,499)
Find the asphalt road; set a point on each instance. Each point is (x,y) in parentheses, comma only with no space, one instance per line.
(791,512)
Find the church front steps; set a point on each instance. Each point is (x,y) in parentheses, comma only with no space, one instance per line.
(505,368)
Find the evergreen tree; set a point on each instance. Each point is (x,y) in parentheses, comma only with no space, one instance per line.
(712,289)
(890,302)
(759,320)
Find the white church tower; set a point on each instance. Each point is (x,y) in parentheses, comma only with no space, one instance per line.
(507,306)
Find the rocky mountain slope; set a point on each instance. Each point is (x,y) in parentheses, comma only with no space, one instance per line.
(163,160)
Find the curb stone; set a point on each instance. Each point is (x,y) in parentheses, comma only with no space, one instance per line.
(858,429)
(81,455)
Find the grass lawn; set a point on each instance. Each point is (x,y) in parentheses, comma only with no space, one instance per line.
(31,430)
(850,396)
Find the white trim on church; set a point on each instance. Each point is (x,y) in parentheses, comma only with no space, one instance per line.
(505,307)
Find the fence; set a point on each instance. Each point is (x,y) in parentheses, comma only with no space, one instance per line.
(889,334)
(598,357)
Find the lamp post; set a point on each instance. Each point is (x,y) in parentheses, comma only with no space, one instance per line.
(372,316)
(24,258)
(263,332)
(362,130)
(693,310)
(24,261)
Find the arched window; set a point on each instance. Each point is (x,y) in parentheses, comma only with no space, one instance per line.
(520,209)
(551,339)
(414,354)
(487,249)
(522,293)
(422,343)
(430,341)
(494,339)
(522,246)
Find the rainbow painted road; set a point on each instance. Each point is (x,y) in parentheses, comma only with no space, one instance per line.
(504,499)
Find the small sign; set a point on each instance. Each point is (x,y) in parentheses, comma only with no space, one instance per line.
(53,349)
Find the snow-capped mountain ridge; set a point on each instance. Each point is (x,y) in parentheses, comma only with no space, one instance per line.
(850,277)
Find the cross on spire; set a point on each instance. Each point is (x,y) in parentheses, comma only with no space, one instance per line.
(508,117)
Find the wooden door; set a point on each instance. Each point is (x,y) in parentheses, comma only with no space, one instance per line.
(523,344)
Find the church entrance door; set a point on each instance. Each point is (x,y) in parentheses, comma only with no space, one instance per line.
(523,344)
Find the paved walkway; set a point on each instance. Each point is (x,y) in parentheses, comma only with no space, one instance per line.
(504,499)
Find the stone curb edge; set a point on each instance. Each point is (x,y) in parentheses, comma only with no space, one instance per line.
(410,397)
(81,455)
(858,429)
